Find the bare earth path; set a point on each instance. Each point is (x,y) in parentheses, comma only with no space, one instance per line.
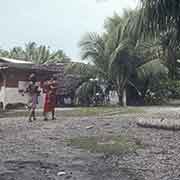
(39,150)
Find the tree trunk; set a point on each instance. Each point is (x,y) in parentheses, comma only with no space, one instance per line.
(172,64)
(119,99)
(124,98)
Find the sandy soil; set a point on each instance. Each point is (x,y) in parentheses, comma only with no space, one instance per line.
(38,150)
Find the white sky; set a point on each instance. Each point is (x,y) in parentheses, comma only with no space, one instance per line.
(59,24)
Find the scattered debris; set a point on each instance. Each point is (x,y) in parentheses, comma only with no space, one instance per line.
(106,124)
(89,127)
(61,173)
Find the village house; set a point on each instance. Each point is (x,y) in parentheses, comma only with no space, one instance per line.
(14,79)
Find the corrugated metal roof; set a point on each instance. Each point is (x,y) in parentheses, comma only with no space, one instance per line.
(16,61)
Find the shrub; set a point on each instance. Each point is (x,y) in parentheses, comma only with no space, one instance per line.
(160,92)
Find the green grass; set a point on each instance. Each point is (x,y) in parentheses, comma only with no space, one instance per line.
(107,145)
(97,111)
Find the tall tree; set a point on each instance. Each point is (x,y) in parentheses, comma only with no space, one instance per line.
(117,53)
(161,19)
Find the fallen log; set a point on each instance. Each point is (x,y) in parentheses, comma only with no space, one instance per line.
(159,123)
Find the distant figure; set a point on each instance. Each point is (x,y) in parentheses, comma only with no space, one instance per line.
(33,93)
(50,88)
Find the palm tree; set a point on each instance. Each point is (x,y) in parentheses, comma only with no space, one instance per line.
(117,54)
(103,52)
(30,49)
(36,54)
(93,49)
(123,55)
(161,18)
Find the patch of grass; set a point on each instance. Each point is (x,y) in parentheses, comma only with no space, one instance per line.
(97,111)
(106,144)
(78,112)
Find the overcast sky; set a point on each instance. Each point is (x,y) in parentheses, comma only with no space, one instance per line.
(57,23)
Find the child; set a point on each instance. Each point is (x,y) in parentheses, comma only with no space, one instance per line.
(33,92)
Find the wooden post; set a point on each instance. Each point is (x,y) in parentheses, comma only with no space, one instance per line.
(4,89)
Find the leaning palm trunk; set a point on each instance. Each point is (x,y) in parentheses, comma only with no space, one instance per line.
(172,63)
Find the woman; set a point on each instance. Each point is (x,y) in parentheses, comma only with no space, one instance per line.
(33,93)
(50,88)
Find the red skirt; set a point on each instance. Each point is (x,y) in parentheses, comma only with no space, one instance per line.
(50,103)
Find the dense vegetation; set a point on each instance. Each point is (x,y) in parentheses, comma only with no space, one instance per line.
(138,52)
(37,54)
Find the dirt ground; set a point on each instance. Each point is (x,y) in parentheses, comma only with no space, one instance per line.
(42,150)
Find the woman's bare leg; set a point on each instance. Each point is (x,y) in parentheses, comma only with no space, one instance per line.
(30,115)
(34,115)
(53,114)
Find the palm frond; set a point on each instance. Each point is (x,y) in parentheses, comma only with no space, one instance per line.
(152,68)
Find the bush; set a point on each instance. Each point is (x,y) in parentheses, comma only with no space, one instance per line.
(173,86)
(162,91)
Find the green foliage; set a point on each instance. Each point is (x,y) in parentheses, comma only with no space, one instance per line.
(118,54)
(37,54)
(84,71)
(86,92)
(173,87)
(156,96)
(93,49)
(153,69)
(161,91)
(161,16)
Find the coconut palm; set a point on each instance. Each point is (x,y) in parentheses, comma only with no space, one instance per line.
(30,49)
(118,53)
(93,49)
(161,18)
(37,54)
